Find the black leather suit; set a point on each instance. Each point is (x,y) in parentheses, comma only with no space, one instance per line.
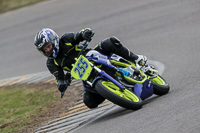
(69,49)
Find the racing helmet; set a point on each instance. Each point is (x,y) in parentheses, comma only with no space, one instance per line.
(44,37)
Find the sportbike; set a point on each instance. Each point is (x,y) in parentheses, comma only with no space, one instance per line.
(118,80)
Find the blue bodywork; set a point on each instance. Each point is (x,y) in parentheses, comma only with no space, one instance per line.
(99,58)
(142,90)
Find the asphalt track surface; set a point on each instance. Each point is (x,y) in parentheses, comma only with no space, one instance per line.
(164,30)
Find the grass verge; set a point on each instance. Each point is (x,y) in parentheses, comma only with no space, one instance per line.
(21,103)
(25,108)
(6,5)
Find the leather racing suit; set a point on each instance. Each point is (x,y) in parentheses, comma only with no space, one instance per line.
(69,50)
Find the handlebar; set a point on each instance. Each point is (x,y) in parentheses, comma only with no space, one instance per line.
(86,44)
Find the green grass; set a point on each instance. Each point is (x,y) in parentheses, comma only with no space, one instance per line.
(19,105)
(6,5)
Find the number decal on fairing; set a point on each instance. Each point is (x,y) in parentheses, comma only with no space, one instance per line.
(81,67)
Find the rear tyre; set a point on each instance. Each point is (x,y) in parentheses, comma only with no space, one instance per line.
(110,91)
(160,85)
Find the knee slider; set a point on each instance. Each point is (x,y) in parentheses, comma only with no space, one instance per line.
(116,42)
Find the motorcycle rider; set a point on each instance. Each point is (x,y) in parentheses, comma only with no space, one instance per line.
(62,51)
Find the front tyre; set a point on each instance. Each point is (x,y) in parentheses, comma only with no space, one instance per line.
(110,91)
(160,85)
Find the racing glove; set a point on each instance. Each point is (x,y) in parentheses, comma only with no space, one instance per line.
(141,60)
(87,34)
(62,86)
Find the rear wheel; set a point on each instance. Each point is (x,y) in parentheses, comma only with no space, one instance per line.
(110,91)
(160,86)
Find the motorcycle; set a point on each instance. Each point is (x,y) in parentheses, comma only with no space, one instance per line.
(118,80)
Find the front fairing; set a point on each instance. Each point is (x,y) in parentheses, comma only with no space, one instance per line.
(99,58)
(93,54)
(104,59)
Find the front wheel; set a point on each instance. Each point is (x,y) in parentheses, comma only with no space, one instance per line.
(110,91)
(160,85)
